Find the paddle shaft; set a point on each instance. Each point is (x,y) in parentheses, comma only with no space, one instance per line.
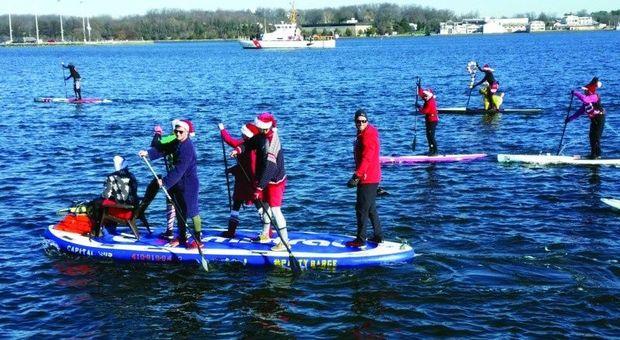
(570,105)
(415,118)
(226,172)
(295,266)
(65,79)
(471,86)
(203,260)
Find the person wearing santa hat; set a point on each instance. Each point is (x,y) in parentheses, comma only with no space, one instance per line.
(492,85)
(429,109)
(366,178)
(243,190)
(592,106)
(181,181)
(271,178)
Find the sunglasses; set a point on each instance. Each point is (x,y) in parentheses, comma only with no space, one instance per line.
(180,132)
(361,121)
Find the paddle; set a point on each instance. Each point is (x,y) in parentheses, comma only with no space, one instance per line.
(415,119)
(570,105)
(62,66)
(471,68)
(295,266)
(226,170)
(203,260)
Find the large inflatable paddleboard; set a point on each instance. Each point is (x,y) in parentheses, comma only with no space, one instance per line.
(612,202)
(430,159)
(465,110)
(312,250)
(548,159)
(71,100)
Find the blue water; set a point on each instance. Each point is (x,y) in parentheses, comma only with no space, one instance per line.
(502,250)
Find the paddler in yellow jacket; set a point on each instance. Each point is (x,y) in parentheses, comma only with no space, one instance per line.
(498,99)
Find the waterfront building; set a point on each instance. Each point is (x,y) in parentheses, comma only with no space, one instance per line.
(576,23)
(511,25)
(356,28)
(536,26)
(465,26)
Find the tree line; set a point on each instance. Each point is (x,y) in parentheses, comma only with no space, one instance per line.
(173,24)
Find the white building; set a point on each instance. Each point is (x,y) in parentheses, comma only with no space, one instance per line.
(575,23)
(510,25)
(536,26)
(467,26)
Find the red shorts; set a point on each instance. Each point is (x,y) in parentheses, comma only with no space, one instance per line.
(274,194)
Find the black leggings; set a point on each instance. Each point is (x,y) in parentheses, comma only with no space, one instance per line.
(430,137)
(365,208)
(597,123)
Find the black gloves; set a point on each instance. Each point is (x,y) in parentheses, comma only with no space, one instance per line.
(353,181)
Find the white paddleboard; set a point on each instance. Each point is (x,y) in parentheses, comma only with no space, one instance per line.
(612,202)
(548,159)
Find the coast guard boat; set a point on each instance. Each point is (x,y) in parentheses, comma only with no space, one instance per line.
(287,35)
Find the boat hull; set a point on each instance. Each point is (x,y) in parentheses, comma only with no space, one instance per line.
(549,159)
(467,111)
(430,159)
(284,44)
(312,250)
(71,100)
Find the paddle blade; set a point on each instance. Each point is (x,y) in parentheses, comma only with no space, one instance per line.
(295,266)
(413,143)
(204,263)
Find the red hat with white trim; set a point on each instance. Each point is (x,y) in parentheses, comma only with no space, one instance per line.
(428,94)
(265,121)
(593,85)
(249,130)
(190,127)
(186,125)
(486,67)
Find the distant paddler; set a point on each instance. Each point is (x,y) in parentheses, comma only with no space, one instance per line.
(492,101)
(429,110)
(592,106)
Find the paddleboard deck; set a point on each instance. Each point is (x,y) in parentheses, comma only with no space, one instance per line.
(464,110)
(430,159)
(549,159)
(72,100)
(612,202)
(312,250)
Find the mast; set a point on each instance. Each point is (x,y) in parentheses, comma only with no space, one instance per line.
(10,29)
(36,24)
(84,28)
(88,27)
(62,32)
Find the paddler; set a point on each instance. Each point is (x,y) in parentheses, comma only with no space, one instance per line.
(366,178)
(492,85)
(431,117)
(77,80)
(157,142)
(244,172)
(271,178)
(181,181)
(592,106)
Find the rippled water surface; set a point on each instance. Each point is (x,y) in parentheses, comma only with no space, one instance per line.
(501,249)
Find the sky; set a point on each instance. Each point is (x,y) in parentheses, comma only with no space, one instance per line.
(119,8)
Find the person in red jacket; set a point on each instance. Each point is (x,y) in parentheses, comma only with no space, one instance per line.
(366,178)
(243,191)
(429,109)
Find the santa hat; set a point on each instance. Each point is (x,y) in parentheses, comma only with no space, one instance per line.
(249,130)
(119,163)
(265,121)
(428,94)
(191,130)
(486,67)
(186,125)
(593,85)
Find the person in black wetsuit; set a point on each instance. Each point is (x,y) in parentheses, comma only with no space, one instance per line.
(493,84)
(77,86)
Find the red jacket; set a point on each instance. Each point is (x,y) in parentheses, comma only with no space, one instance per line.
(366,153)
(244,189)
(429,108)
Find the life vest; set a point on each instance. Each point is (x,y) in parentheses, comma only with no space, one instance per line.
(75,223)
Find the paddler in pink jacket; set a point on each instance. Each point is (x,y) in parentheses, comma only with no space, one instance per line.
(594,109)
(429,110)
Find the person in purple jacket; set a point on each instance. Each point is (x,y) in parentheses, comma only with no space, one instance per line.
(181,181)
(591,105)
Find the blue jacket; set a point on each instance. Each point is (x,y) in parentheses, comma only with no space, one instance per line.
(184,175)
